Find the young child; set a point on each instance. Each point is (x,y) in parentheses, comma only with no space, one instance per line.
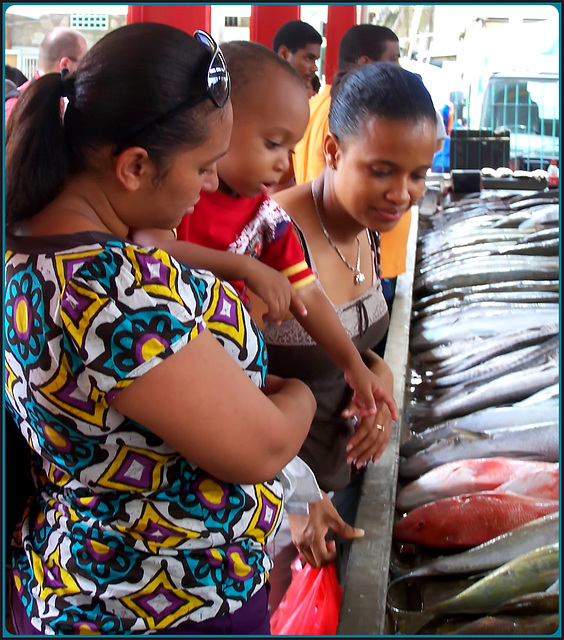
(270,114)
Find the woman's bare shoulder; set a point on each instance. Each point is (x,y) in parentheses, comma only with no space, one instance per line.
(294,200)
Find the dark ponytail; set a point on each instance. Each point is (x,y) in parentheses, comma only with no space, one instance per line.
(36,150)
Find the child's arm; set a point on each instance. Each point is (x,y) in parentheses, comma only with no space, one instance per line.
(324,326)
(270,285)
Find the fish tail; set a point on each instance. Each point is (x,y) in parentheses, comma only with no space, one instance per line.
(397,569)
(410,622)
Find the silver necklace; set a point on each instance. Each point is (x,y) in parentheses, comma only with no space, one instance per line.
(358,275)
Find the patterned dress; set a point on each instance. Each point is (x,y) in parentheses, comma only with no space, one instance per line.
(123,535)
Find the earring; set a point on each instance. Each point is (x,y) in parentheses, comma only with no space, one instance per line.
(332,166)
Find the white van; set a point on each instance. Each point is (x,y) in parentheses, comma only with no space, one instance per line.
(528,106)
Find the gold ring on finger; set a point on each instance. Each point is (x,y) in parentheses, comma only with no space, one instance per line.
(380,427)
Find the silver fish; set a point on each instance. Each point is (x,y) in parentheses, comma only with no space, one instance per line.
(503,390)
(489,421)
(542,216)
(438,242)
(532,200)
(529,443)
(479,270)
(533,571)
(460,293)
(508,297)
(491,554)
(470,350)
(502,364)
(481,320)
(551,392)
(545,248)
(550,233)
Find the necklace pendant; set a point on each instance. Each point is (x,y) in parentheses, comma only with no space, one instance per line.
(359,278)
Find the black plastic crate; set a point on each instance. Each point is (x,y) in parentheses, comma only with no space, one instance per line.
(478,148)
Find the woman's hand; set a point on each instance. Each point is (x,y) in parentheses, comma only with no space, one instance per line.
(308,532)
(275,290)
(369,390)
(370,437)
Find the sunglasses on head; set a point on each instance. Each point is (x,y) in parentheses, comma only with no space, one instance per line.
(218,81)
(218,86)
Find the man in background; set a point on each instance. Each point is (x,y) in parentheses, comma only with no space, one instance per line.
(62,48)
(300,44)
(361,44)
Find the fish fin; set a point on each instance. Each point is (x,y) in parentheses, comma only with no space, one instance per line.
(408,623)
(471,435)
(523,455)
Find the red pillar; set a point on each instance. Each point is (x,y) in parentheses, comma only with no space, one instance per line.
(267,19)
(187,17)
(340,18)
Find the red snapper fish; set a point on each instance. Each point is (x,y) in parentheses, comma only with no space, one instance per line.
(470,519)
(458,477)
(542,483)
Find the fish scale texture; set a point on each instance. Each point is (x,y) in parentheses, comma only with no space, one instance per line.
(468,520)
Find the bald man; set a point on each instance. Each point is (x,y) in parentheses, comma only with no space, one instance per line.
(62,48)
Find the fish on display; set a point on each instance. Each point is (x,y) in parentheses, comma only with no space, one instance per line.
(480,474)
(531,572)
(530,603)
(532,200)
(481,463)
(502,364)
(506,389)
(490,554)
(550,393)
(554,588)
(454,356)
(479,320)
(537,442)
(545,248)
(489,419)
(486,297)
(542,483)
(482,269)
(538,625)
(542,217)
(438,246)
(468,520)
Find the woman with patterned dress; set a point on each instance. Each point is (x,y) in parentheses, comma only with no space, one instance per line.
(139,384)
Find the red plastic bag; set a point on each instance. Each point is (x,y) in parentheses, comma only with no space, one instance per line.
(311,605)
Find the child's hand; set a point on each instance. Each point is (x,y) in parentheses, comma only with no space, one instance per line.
(371,435)
(275,290)
(368,389)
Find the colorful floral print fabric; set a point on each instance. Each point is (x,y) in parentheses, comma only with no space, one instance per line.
(124,534)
